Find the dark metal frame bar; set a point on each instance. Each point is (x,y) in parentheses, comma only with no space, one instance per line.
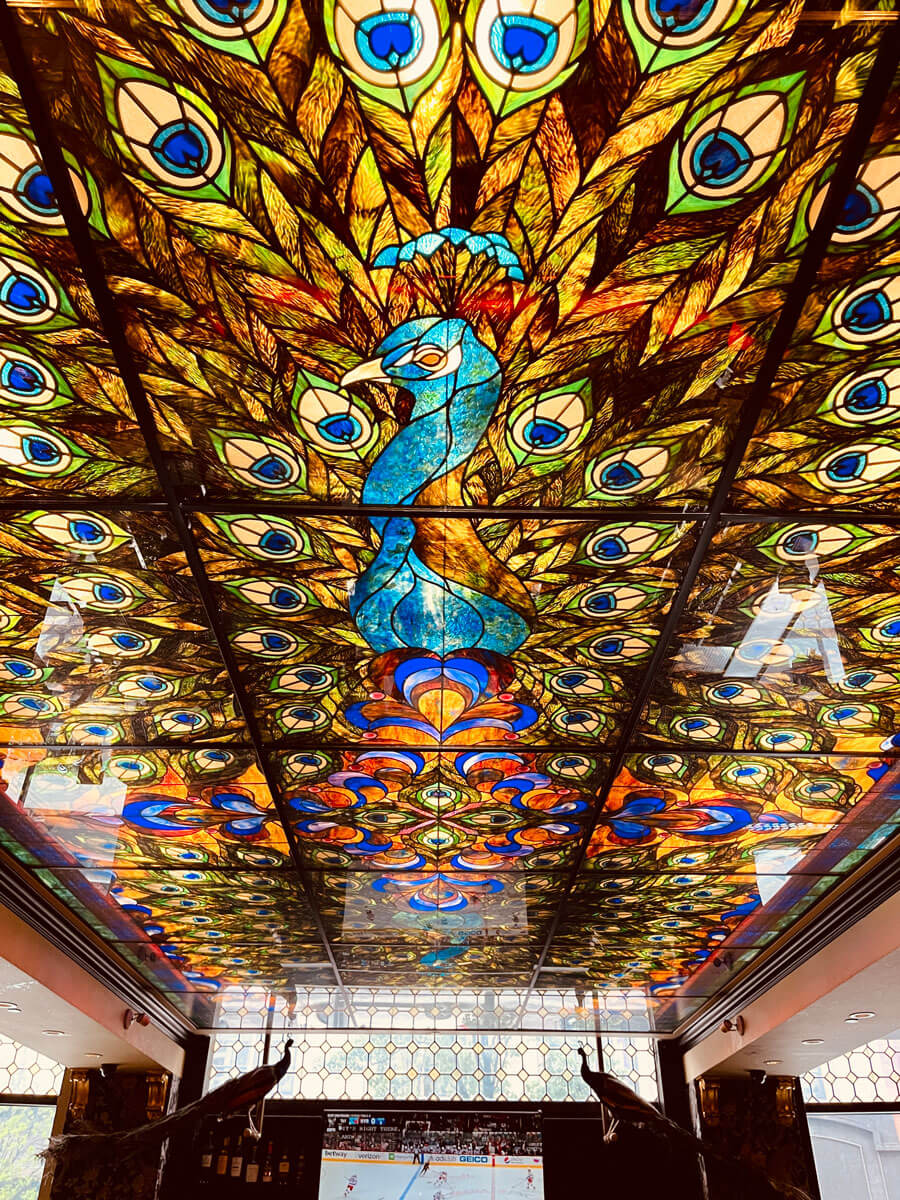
(264,506)
(861,1106)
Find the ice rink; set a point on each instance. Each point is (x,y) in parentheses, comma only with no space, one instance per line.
(380,1179)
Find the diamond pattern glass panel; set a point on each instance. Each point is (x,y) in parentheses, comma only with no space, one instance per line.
(25,1072)
(870,1074)
(353,1065)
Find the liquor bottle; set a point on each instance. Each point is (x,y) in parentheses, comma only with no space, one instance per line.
(236,1168)
(284,1169)
(268,1171)
(207,1165)
(251,1171)
(222,1165)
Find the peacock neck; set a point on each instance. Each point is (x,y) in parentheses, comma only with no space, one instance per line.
(447,423)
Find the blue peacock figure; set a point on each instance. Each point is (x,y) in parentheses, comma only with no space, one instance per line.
(441,594)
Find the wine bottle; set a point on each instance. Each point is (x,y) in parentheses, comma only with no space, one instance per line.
(222,1161)
(268,1171)
(236,1168)
(251,1171)
(284,1169)
(207,1170)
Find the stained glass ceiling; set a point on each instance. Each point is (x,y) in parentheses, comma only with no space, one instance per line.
(447,514)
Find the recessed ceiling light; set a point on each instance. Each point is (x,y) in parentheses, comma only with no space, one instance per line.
(812,1041)
(771,1062)
(9,1006)
(54,1033)
(850,1020)
(861,1016)
(92,1054)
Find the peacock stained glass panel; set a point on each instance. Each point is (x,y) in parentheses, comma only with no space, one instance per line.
(737,814)
(188,808)
(197,930)
(448,253)
(829,434)
(786,643)
(665,932)
(103,639)
(440,925)
(482,632)
(419,811)
(66,421)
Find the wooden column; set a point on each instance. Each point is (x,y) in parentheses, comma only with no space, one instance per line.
(108,1101)
(758,1122)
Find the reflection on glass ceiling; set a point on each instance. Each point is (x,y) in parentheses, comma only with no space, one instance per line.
(395,691)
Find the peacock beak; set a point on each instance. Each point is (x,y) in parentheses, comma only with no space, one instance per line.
(371,371)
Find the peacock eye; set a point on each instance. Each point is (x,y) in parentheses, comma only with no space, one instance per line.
(872,397)
(183,720)
(34,451)
(549,424)
(266,642)
(396,45)
(430,358)
(228,19)
(259,462)
(334,422)
(870,312)
(524,46)
(168,135)
(104,593)
(121,643)
(24,183)
(872,204)
(682,22)
(78,532)
(26,296)
(855,467)
(25,381)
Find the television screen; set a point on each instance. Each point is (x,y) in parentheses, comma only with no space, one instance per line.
(395,1155)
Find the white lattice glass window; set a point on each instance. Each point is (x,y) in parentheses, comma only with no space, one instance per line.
(25,1072)
(429,1066)
(870,1074)
(633,1060)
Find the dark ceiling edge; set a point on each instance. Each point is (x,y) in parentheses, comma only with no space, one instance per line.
(79,233)
(822,927)
(874,94)
(30,903)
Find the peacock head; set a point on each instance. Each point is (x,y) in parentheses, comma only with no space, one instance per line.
(431,357)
